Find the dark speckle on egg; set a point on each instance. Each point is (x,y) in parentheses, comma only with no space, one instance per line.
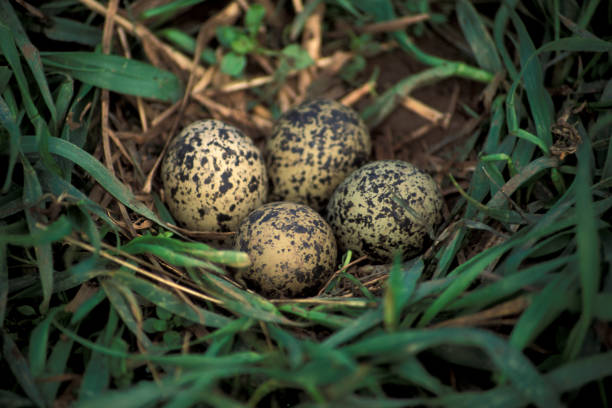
(213,176)
(291,247)
(314,146)
(384,207)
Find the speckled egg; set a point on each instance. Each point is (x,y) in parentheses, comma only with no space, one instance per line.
(213,176)
(291,247)
(314,146)
(384,207)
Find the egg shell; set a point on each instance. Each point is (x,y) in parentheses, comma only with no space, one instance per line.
(291,247)
(314,146)
(368,215)
(213,176)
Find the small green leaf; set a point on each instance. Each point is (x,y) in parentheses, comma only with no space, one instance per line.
(243,44)
(233,64)
(172,338)
(227,34)
(297,56)
(254,16)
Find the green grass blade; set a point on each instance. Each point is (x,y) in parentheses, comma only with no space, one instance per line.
(54,232)
(171,7)
(499,32)
(358,326)
(4,283)
(64,29)
(39,339)
(185,253)
(478,37)
(587,240)
(140,395)
(539,99)
(169,301)
(8,49)
(64,93)
(97,375)
(510,361)
(294,349)
(5,76)
(32,193)
(375,113)
(20,369)
(400,287)
(97,170)
(298,22)
(570,376)
(56,185)
(9,122)
(526,173)
(544,308)
(577,44)
(486,295)
(126,306)
(466,273)
(87,306)
(30,54)
(118,74)
(412,370)
(530,137)
(602,307)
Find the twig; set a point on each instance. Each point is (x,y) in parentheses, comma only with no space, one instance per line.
(394,25)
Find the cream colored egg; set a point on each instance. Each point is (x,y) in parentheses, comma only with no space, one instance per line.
(213,176)
(291,247)
(314,146)
(385,207)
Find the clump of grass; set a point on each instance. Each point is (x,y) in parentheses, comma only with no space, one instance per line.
(104,300)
